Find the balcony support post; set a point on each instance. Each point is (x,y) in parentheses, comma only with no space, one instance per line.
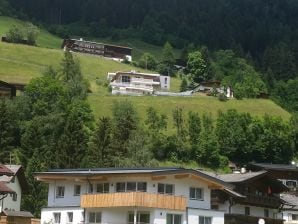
(135,216)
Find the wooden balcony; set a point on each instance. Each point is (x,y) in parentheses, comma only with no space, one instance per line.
(265,201)
(246,219)
(133,199)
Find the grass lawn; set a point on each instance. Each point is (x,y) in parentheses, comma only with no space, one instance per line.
(257,107)
(45,39)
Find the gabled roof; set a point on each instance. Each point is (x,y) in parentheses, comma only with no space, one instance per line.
(5,171)
(88,173)
(241,177)
(270,166)
(4,189)
(18,171)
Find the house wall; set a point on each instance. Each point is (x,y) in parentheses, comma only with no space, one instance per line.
(194,214)
(8,202)
(165,82)
(47,214)
(254,211)
(287,216)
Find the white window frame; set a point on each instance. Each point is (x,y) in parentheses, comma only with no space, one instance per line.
(58,216)
(204,219)
(95,217)
(75,193)
(60,194)
(173,218)
(105,186)
(133,190)
(165,188)
(198,197)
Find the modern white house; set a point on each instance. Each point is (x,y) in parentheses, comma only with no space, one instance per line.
(131,196)
(137,83)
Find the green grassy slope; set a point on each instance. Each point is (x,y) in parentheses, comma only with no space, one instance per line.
(45,39)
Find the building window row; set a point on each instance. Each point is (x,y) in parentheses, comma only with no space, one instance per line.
(131,186)
(162,188)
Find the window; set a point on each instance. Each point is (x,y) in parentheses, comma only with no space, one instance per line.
(142,217)
(291,183)
(69,217)
(60,192)
(196,193)
(165,188)
(142,186)
(14,196)
(247,211)
(57,218)
(205,220)
(131,186)
(294,216)
(266,213)
(94,217)
(90,189)
(77,190)
(120,187)
(174,219)
(102,188)
(126,79)
(166,81)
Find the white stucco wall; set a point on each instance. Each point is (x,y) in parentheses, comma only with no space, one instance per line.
(194,214)
(7,202)
(47,214)
(287,216)
(165,82)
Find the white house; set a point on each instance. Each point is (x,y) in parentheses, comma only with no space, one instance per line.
(16,182)
(130,196)
(137,83)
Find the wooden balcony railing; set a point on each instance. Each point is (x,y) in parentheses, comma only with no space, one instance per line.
(133,199)
(267,201)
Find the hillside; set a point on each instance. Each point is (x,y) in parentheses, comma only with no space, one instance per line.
(21,63)
(45,39)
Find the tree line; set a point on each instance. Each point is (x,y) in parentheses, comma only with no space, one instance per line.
(52,126)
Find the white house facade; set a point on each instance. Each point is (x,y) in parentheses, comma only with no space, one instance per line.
(131,196)
(17,184)
(137,83)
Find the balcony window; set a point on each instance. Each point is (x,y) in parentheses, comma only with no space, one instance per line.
(142,186)
(90,188)
(57,217)
(102,188)
(165,188)
(125,79)
(120,187)
(131,186)
(142,218)
(60,192)
(77,190)
(196,193)
(205,220)
(69,217)
(174,219)
(94,217)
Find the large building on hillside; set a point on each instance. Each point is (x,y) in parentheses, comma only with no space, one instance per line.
(138,83)
(131,196)
(115,52)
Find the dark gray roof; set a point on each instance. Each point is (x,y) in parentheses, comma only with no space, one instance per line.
(291,201)
(17,213)
(239,177)
(270,166)
(154,171)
